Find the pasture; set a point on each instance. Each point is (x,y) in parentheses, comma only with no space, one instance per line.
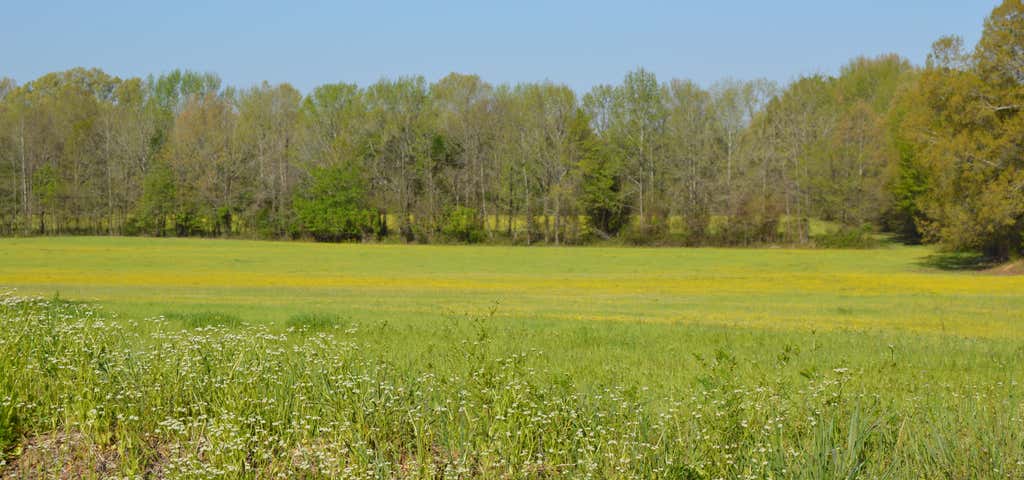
(880,290)
(240,359)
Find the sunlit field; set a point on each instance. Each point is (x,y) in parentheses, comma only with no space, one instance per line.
(881,290)
(236,359)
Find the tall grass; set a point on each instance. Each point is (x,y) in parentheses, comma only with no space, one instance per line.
(153,398)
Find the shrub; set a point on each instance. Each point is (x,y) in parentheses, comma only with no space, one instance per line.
(332,208)
(847,237)
(463,224)
(746,231)
(794,229)
(649,233)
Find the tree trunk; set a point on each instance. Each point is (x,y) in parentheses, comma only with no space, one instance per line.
(26,204)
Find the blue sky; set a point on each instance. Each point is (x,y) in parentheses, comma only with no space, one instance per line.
(580,43)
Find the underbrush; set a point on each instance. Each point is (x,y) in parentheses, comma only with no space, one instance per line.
(89,393)
(848,237)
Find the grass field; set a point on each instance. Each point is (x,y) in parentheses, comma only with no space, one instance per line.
(888,289)
(234,359)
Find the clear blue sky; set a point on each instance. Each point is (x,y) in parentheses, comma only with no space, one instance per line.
(580,43)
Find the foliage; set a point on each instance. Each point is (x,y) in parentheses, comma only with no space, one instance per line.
(650,233)
(158,199)
(909,181)
(601,195)
(965,127)
(463,224)
(931,154)
(847,237)
(331,206)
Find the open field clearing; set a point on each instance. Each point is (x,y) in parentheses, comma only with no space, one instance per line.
(881,290)
(235,359)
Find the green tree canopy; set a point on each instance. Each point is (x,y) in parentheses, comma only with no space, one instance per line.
(332,205)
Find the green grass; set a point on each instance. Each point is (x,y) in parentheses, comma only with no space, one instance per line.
(204,319)
(230,359)
(882,290)
(315,321)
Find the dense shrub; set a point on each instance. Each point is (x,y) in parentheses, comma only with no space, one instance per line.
(746,231)
(463,224)
(647,233)
(847,237)
(332,208)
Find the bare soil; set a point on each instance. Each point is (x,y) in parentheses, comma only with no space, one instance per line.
(1010,268)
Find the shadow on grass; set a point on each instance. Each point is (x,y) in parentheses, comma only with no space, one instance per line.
(958,261)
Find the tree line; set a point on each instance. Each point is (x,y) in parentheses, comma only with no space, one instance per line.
(931,153)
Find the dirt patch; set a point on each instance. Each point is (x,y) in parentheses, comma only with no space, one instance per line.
(60,455)
(1011,268)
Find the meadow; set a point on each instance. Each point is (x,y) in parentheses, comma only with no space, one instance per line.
(161,358)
